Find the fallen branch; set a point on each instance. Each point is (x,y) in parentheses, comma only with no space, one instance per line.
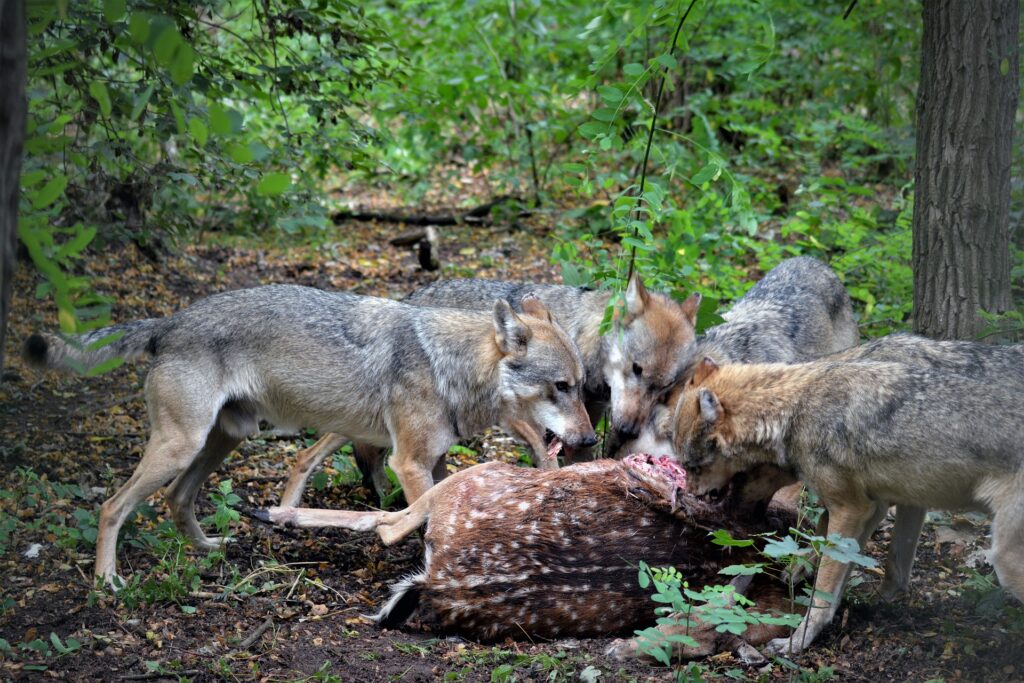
(480,215)
(255,635)
(154,675)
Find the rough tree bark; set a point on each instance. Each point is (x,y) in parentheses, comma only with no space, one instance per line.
(12,137)
(965,113)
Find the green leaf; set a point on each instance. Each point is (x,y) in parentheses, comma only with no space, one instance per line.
(606,114)
(99,93)
(166,45)
(783,547)
(273,184)
(198,130)
(633,69)
(179,117)
(710,172)
(610,94)
(138,27)
(592,129)
(742,569)
(181,67)
(667,61)
(240,154)
(114,10)
(105,366)
(141,100)
(78,243)
(49,193)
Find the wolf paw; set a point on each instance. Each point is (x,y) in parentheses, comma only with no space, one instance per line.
(783,646)
(622,648)
(207,543)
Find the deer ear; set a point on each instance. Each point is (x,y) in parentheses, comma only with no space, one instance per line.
(532,305)
(510,332)
(691,306)
(636,297)
(705,369)
(710,408)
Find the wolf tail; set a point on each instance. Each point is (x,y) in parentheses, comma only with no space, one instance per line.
(83,352)
(404,601)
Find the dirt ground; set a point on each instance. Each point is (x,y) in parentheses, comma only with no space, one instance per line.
(294,612)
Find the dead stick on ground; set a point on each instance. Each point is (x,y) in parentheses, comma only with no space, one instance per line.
(255,635)
(154,675)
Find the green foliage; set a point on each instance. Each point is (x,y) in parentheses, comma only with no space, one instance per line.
(763,149)
(34,509)
(148,121)
(724,609)
(718,607)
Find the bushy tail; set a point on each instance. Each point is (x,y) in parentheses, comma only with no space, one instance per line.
(87,351)
(404,601)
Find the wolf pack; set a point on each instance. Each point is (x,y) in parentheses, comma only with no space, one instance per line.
(779,394)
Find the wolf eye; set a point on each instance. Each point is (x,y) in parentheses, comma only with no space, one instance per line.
(562,386)
(637,370)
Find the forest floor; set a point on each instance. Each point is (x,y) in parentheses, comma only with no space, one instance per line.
(286,605)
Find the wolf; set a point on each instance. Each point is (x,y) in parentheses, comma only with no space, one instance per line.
(375,370)
(865,434)
(797,312)
(992,365)
(632,367)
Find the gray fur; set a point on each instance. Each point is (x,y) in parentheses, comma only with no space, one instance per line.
(377,371)
(942,429)
(798,311)
(575,309)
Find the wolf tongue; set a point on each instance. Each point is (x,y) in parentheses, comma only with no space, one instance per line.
(555,447)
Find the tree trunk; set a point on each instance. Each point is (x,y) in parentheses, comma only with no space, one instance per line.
(965,112)
(12,137)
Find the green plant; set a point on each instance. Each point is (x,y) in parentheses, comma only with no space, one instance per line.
(724,609)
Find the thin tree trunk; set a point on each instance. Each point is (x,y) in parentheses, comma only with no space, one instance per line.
(13,109)
(965,113)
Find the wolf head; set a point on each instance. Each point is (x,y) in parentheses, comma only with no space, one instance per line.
(648,351)
(542,375)
(703,435)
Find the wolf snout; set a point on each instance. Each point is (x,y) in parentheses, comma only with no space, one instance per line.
(627,430)
(586,440)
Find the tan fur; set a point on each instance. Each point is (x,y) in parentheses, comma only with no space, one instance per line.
(376,370)
(864,435)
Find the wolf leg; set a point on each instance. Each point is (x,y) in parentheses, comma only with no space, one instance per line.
(305,462)
(181,412)
(848,519)
(1008,543)
(370,461)
(899,561)
(181,495)
(417,446)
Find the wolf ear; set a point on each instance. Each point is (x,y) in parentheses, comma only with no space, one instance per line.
(532,305)
(710,408)
(636,297)
(510,332)
(706,368)
(691,306)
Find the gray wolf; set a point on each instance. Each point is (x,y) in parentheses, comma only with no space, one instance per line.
(797,312)
(516,552)
(991,365)
(636,363)
(866,434)
(375,370)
